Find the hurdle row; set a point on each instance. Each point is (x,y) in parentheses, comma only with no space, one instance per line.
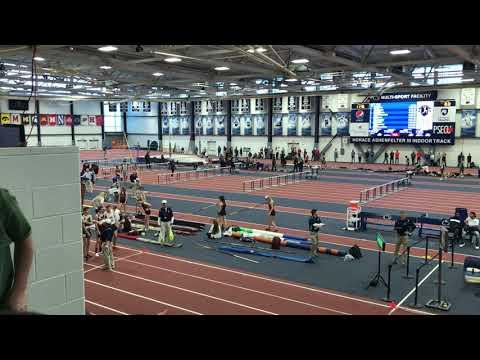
(280,180)
(380,191)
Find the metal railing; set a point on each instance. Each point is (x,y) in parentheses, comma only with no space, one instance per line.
(380,191)
(272,181)
(192,175)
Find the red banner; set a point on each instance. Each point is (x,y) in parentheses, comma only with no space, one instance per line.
(43,120)
(52,119)
(99,120)
(68,120)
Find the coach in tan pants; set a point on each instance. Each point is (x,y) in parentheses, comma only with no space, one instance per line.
(402,227)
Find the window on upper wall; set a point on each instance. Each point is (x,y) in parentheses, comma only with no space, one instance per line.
(135,106)
(124,107)
(184,108)
(197,107)
(277,104)
(235,106)
(306,103)
(173,108)
(260,105)
(220,106)
(211,106)
(147,106)
(163,108)
(112,107)
(292,103)
(245,106)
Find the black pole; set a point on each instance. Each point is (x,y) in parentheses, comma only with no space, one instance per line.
(426,250)
(228,122)
(159,127)
(407,275)
(440,282)
(102,113)
(37,113)
(316,140)
(415,303)
(73,125)
(452,265)
(125,129)
(387,298)
(270,123)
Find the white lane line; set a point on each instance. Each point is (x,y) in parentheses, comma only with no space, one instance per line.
(413,290)
(105,307)
(238,287)
(143,297)
(196,293)
(102,265)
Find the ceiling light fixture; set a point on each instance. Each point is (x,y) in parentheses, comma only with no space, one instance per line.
(233,84)
(300,61)
(38,58)
(400,52)
(108,48)
(173,59)
(105,67)
(157,74)
(291,80)
(468,80)
(260,49)
(222,68)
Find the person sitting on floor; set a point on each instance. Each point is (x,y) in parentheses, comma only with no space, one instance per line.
(215,231)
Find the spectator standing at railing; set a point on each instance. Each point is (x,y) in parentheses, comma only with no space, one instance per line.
(397,157)
(469,160)
(385,159)
(295,164)
(459,159)
(353,156)
(367,156)
(444,159)
(419,156)
(359,157)
(335,155)
(300,165)
(274,164)
(412,156)
(305,154)
(392,155)
(147,160)
(407,160)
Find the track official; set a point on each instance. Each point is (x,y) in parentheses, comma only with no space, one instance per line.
(165,220)
(403,226)
(314,224)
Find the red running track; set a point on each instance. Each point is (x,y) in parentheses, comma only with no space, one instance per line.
(149,283)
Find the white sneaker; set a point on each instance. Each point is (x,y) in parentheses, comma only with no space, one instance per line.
(461,245)
(97,254)
(477,247)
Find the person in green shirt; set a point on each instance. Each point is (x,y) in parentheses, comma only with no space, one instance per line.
(14,228)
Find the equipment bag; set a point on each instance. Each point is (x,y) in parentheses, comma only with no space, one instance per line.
(171,236)
(355,252)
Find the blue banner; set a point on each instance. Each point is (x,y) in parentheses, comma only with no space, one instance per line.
(260,125)
(165,125)
(185,125)
(292,125)
(306,124)
(198,125)
(342,123)
(246,121)
(235,125)
(277,125)
(326,124)
(175,124)
(469,123)
(209,125)
(220,124)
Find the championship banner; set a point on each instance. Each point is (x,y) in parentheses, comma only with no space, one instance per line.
(204,125)
(326,124)
(209,125)
(220,125)
(175,123)
(198,125)
(342,123)
(260,125)
(91,120)
(68,120)
(60,120)
(34,119)
(99,120)
(306,125)
(77,120)
(235,125)
(444,111)
(184,125)
(52,120)
(469,123)
(26,119)
(277,125)
(43,120)
(5,119)
(246,122)
(84,120)
(15,119)
(165,126)
(292,125)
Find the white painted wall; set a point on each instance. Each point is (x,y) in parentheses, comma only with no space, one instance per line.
(47,187)
(142,124)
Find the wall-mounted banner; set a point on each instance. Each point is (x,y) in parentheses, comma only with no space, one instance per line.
(410,96)
(60,120)
(209,125)
(342,123)
(184,125)
(260,125)
(175,125)
(204,125)
(15,119)
(77,120)
(91,120)
(98,120)
(306,124)
(198,125)
(235,125)
(52,119)
(43,120)
(246,122)
(326,124)
(5,119)
(84,120)
(68,120)
(220,125)
(292,125)
(34,119)
(165,125)
(444,111)
(360,113)
(469,123)
(26,119)
(277,125)
(402,140)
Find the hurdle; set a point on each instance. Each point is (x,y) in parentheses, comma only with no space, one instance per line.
(192,175)
(383,190)
(272,181)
